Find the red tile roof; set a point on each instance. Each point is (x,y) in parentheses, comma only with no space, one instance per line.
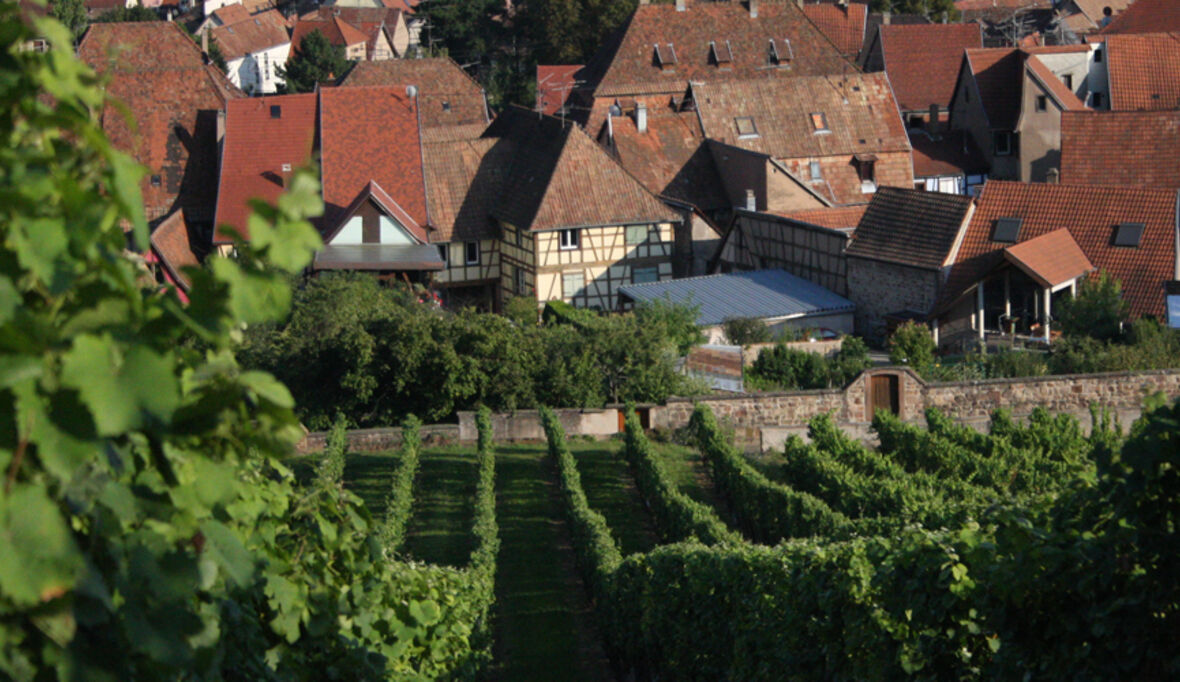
(232,14)
(447,96)
(998,74)
(923,61)
(1147,16)
(370,134)
(1134,148)
(337,31)
(1051,259)
(1144,71)
(969,5)
(257,146)
(561,178)
(627,65)
(671,158)
(1091,214)
(843,218)
(844,26)
(254,34)
(464,179)
(554,85)
(953,152)
(173,249)
(173,97)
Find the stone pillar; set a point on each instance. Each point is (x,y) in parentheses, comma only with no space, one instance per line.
(1048,302)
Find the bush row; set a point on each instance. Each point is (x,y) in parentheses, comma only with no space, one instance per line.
(481,571)
(767,511)
(401,491)
(678,516)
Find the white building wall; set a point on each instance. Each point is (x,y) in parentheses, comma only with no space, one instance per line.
(210,6)
(256,73)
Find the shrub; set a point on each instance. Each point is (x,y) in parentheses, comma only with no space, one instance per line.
(743,331)
(1097,311)
(911,344)
(790,368)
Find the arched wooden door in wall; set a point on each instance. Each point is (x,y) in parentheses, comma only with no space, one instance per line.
(884,394)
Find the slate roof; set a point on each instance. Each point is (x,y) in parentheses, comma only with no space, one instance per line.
(626,64)
(909,227)
(843,218)
(781,111)
(447,96)
(560,178)
(763,294)
(253,34)
(951,152)
(173,97)
(464,180)
(671,158)
(844,26)
(1133,148)
(1146,16)
(370,134)
(554,85)
(1051,259)
(1091,214)
(1144,71)
(255,149)
(923,60)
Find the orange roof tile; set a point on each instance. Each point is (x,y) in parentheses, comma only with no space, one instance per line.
(1091,214)
(844,26)
(843,218)
(923,60)
(370,134)
(1133,148)
(259,142)
(172,247)
(337,31)
(447,95)
(554,85)
(1146,16)
(998,75)
(1050,259)
(231,14)
(464,179)
(254,34)
(627,66)
(1144,71)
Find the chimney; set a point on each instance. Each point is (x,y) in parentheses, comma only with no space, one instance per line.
(886,17)
(753,9)
(932,127)
(680,6)
(1053,177)
(751,201)
(641,117)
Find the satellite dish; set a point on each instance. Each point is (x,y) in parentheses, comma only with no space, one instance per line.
(412,91)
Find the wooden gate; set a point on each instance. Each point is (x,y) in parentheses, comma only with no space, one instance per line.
(883,394)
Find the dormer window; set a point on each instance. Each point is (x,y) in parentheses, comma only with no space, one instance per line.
(1007,230)
(819,122)
(866,166)
(780,53)
(745,127)
(721,54)
(666,56)
(1128,234)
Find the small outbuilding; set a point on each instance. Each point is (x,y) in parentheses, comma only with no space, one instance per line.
(778,298)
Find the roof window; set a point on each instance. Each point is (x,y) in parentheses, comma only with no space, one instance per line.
(276,111)
(819,122)
(780,54)
(1007,230)
(1128,234)
(666,56)
(721,54)
(745,126)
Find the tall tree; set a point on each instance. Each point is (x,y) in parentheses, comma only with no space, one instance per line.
(317,61)
(936,10)
(72,13)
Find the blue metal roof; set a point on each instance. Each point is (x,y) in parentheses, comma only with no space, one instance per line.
(760,293)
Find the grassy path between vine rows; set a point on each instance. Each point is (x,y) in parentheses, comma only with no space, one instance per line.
(544,626)
(440,528)
(369,476)
(688,470)
(610,490)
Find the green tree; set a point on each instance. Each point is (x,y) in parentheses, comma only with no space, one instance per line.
(1098,310)
(743,331)
(72,13)
(674,321)
(935,10)
(120,14)
(911,344)
(316,61)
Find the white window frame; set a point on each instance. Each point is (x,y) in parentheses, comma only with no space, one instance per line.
(568,240)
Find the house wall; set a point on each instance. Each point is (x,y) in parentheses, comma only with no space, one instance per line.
(381,49)
(1098,80)
(399,37)
(356,51)
(209,6)
(255,73)
(741,170)
(605,260)
(459,272)
(879,288)
(517,253)
(1073,64)
(760,241)
(783,193)
(968,114)
(1040,134)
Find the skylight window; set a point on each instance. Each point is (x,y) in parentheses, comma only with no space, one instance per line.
(1128,234)
(745,126)
(1007,230)
(276,111)
(819,122)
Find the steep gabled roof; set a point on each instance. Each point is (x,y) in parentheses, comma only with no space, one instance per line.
(464,182)
(1146,16)
(629,65)
(560,178)
(1051,259)
(922,61)
(373,193)
(844,26)
(1144,71)
(173,97)
(254,34)
(259,142)
(910,227)
(859,110)
(1133,148)
(370,134)
(171,246)
(1091,214)
(447,96)
(997,72)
